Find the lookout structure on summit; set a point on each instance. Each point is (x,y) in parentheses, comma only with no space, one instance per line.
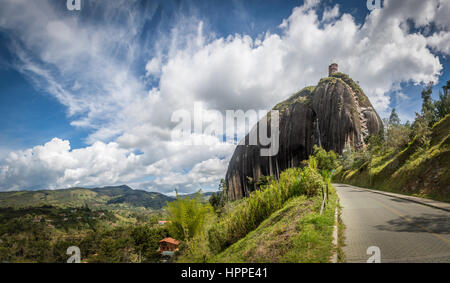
(333,68)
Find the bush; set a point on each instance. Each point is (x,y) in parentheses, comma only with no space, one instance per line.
(325,160)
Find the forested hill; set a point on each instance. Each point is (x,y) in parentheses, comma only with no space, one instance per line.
(76,197)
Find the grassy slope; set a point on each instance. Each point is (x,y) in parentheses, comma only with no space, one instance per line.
(295,233)
(413,171)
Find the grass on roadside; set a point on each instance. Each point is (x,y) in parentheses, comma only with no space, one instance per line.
(296,233)
(341,237)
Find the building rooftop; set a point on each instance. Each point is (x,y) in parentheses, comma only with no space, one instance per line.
(170,240)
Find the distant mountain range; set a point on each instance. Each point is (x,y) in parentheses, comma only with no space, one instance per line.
(76,197)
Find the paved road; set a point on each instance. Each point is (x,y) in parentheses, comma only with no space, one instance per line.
(404,231)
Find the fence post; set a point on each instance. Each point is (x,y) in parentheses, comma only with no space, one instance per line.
(323,202)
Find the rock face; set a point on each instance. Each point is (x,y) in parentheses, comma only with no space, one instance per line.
(336,114)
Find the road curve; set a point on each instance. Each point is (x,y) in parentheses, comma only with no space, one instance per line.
(404,231)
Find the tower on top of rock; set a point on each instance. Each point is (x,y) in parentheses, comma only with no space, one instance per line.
(333,68)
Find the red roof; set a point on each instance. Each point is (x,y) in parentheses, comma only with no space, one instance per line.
(170,240)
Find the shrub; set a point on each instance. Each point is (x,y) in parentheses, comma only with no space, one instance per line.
(325,160)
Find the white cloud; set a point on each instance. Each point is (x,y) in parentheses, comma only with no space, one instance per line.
(239,70)
(153,67)
(204,175)
(54,165)
(88,67)
(440,42)
(330,13)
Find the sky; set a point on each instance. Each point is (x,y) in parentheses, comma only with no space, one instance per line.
(87,97)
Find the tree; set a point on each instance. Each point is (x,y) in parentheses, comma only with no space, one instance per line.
(427,104)
(422,131)
(425,120)
(442,106)
(428,110)
(394,120)
(187,216)
(397,135)
(219,198)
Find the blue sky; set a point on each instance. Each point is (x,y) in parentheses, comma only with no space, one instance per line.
(86,96)
(33,115)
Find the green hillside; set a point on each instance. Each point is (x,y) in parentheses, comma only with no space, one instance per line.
(295,233)
(77,197)
(414,170)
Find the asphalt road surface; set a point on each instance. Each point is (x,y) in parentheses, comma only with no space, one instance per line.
(404,231)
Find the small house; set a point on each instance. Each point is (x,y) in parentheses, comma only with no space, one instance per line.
(168,245)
